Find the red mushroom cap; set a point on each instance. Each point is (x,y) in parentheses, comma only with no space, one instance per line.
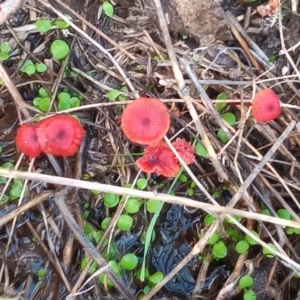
(159,159)
(60,135)
(27,141)
(265,106)
(145,121)
(185,150)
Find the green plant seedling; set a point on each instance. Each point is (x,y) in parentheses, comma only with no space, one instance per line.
(7,165)
(249,295)
(61,24)
(5,47)
(156,278)
(103,277)
(190,190)
(110,200)
(229,118)
(59,49)
(93,268)
(183,178)
(94,192)
(221,105)
(250,240)
(4,199)
(237,218)
(42,103)
(40,67)
(43,92)
(132,206)
(16,189)
(201,150)
(196,58)
(153,206)
(141,183)
(242,247)
(4,51)
(43,26)
(124,222)
(214,238)
(245,282)
(209,219)
(28,67)
(234,234)
(89,231)
(267,252)
(108,8)
(283,214)
(129,261)
(105,223)
(41,273)
(219,250)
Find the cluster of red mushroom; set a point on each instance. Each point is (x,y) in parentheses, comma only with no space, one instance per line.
(146,121)
(59,135)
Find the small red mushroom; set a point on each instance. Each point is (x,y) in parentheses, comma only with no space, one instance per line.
(159,159)
(265,106)
(27,141)
(145,121)
(185,150)
(60,135)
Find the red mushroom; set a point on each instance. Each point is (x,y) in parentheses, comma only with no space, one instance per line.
(265,106)
(185,150)
(27,141)
(145,121)
(159,159)
(60,135)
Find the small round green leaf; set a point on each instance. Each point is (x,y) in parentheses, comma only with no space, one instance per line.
(43,92)
(108,8)
(74,101)
(214,238)
(283,214)
(250,240)
(41,67)
(249,295)
(63,105)
(267,252)
(153,206)
(105,223)
(30,69)
(129,261)
(157,277)
(3,56)
(220,250)
(61,24)
(5,47)
(245,281)
(201,150)
(59,49)
(110,200)
(242,247)
(63,96)
(222,136)
(132,206)
(113,94)
(44,104)
(228,117)
(124,222)
(141,183)
(209,219)
(43,25)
